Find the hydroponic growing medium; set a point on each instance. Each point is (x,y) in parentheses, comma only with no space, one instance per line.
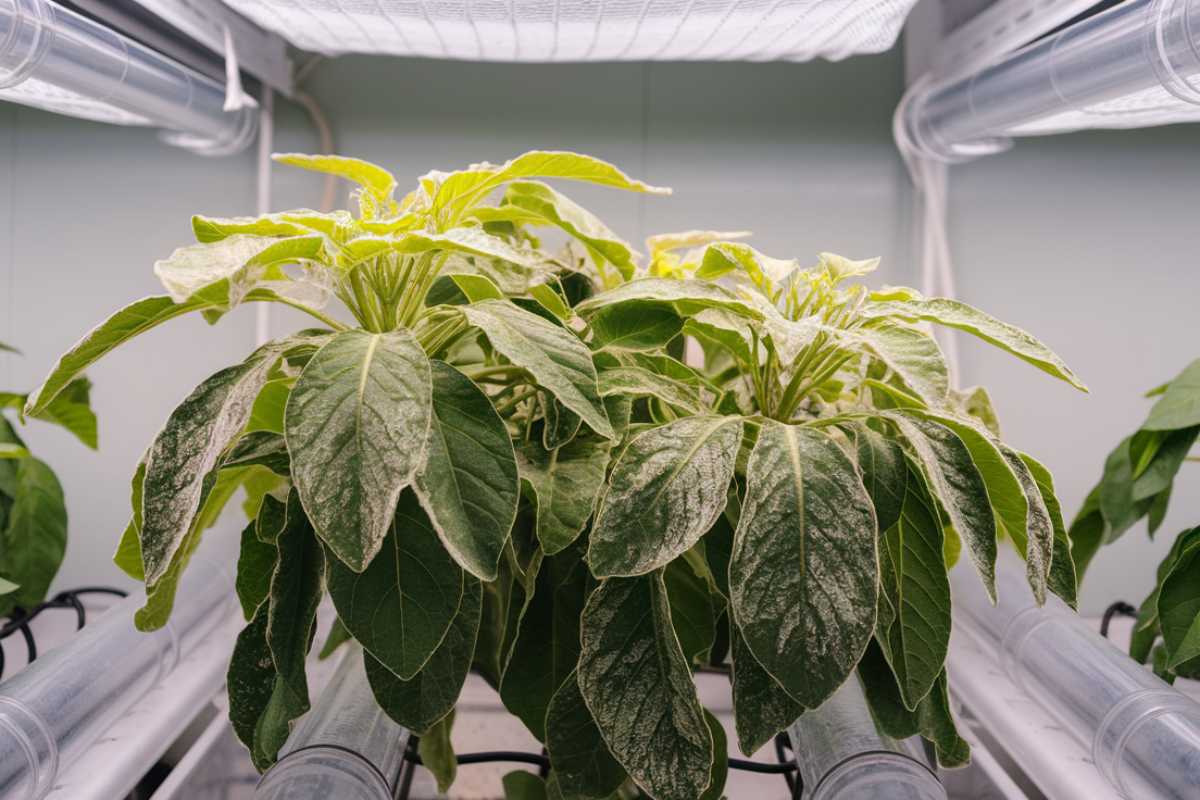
(494,469)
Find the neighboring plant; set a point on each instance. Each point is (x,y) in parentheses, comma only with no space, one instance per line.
(506,465)
(33,515)
(1139,476)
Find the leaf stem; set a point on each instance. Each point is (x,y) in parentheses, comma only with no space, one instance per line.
(312,312)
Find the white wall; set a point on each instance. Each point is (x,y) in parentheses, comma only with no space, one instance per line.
(85,209)
(1089,241)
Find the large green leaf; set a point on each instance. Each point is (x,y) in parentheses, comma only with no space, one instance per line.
(578,754)
(957,483)
(720,767)
(955,314)
(635,325)
(546,648)
(633,382)
(638,687)
(71,409)
(804,571)
(414,584)
(375,179)
(578,222)
(561,364)
(469,484)
(914,356)
(251,682)
(1037,545)
(134,319)
(430,695)
(686,297)
(187,450)
(437,753)
(565,482)
(884,473)
(255,565)
(915,593)
(1179,406)
(666,490)
(761,708)
(1179,607)
(688,585)
(722,258)
(356,426)
(34,541)
(1061,579)
(287,223)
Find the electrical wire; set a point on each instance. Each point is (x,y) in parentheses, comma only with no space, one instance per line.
(1117,609)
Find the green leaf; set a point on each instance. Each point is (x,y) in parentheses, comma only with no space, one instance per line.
(578,754)
(437,753)
(1179,406)
(414,584)
(1061,579)
(1179,604)
(638,687)
(565,483)
(691,610)
(640,382)
(7,587)
(71,409)
(916,591)
(720,767)
(667,488)
(355,424)
(955,314)
(251,683)
(430,695)
(271,519)
(289,223)
(915,358)
(685,297)
(1168,457)
(937,725)
(255,564)
(761,708)
(477,288)
(561,364)
(186,451)
(763,271)
(1087,532)
(1115,499)
(546,649)
(804,551)
(557,209)
(521,785)
(35,538)
(267,413)
(635,325)
(13,451)
(337,636)
(884,473)
(122,326)
(549,299)
(957,483)
(882,693)
(371,177)
(469,485)
(5,348)
(560,424)
(1037,546)
(129,550)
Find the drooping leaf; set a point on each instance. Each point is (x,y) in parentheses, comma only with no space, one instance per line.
(685,297)
(1115,497)
(356,424)
(371,177)
(917,592)
(578,754)
(71,409)
(666,490)
(337,636)
(437,753)
(255,565)
(638,687)
(956,314)
(634,382)
(720,767)
(565,483)
(1087,532)
(692,610)
(1038,543)
(1179,606)
(561,364)
(1179,405)
(430,695)
(251,682)
(557,209)
(882,693)
(1168,457)
(804,567)
(469,485)
(34,541)
(521,785)
(414,584)
(1061,579)
(761,708)
(938,726)
(957,483)
(269,406)
(560,423)
(546,648)
(884,472)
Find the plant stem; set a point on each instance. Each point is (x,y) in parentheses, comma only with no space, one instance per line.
(312,312)
(512,401)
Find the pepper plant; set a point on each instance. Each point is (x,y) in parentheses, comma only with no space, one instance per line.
(33,513)
(1139,477)
(507,464)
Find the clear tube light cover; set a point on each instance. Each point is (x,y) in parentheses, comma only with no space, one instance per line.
(55,59)
(1144,736)
(586,30)
(1135,65)
(842,756)
(54,709)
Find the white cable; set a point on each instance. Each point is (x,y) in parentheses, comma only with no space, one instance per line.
(266,142)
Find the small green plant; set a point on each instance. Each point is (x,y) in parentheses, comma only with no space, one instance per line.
(33,515)
(506,464)
(1139,476)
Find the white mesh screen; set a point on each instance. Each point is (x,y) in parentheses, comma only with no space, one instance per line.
(48,97)
(586,30)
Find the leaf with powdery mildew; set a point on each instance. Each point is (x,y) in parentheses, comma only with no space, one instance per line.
(761,708)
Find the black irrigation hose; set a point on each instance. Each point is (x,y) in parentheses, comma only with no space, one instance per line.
(20,618)
(1119,608)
